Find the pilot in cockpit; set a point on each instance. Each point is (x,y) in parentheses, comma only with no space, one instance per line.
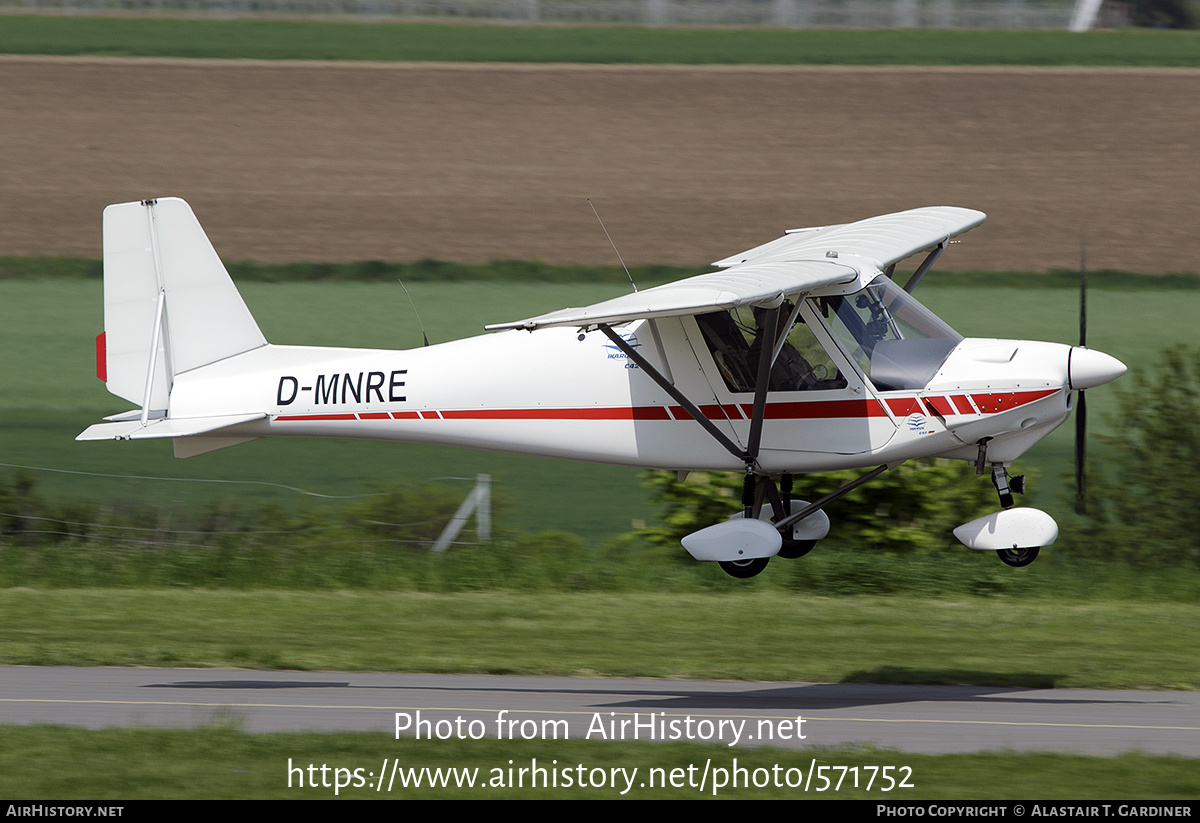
(791,372)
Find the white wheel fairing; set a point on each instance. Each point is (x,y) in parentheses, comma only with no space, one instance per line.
(734,540)
(1008,529)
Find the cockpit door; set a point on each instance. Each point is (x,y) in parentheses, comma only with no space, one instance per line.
(817,402)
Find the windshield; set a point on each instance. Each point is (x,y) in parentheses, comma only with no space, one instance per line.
(896,342)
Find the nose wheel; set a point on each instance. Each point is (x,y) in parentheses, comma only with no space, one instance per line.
(1018,557)
(744,569)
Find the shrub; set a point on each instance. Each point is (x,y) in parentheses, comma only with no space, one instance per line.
(1151,484)
(911,508)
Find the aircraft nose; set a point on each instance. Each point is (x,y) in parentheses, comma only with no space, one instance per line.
(1087,368)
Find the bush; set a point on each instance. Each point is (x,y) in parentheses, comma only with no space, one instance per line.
(911,508)
(1151,483)
(1163,14)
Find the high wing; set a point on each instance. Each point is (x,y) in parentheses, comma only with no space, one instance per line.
(882,240)
(759,283)
(801,261)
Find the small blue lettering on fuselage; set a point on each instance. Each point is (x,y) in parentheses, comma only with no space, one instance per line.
(344,388)
(615,353)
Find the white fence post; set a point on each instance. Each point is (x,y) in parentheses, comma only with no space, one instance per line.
(479,501)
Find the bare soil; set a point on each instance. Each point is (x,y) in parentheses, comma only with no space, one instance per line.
(317,161)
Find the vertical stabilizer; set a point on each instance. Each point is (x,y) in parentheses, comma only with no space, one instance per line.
(169,304)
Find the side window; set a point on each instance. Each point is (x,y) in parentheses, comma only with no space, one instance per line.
(729,348)
(814,369)
(734,340)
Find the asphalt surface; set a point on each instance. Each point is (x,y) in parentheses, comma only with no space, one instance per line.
(922,719)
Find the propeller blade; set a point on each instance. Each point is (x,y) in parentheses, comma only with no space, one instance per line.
(1083,278)
(1080,453)
(1081,406)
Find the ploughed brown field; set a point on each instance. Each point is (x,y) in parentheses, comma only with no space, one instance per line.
(327,161)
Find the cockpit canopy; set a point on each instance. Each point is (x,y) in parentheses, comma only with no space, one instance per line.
(895,341)
(890,338)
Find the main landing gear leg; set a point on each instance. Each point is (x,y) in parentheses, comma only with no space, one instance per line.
(716,542)
(781,507)
(754,489)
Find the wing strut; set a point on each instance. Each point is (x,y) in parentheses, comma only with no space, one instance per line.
(676,395)
(813,508)
(934,254)
(766,359)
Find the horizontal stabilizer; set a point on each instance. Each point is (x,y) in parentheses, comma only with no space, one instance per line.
(166,427)
(136,414)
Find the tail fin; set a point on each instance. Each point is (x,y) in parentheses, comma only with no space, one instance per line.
(169,304)
(169,307)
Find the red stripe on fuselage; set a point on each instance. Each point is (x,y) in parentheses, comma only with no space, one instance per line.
(711,411)
(810,410)
(963,404)
(774,411)
(904,406)
(995,402)
(626,413)
(291,417)
(941,405)
(816,409)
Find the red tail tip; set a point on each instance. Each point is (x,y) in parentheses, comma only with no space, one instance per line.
(101,358)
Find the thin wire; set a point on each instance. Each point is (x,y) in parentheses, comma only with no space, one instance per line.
(424,336)
(196,480)
(614,245)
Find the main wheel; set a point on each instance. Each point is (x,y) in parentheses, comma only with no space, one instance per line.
(792,549)
(743,569)
(1018,557)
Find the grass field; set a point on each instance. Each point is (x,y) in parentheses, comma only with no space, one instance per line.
(264,38)
(1045,642)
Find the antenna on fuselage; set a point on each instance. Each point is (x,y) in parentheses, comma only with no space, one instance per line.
(414,308)
(614,245)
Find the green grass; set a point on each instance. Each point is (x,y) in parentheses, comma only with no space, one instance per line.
(337,40)
(1036,642)
(220,762)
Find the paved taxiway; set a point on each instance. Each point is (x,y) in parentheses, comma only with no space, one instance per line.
(932,719)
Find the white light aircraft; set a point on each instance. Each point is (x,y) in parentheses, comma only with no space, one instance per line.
(799,355)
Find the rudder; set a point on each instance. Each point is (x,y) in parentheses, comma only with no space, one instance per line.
(169,303)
